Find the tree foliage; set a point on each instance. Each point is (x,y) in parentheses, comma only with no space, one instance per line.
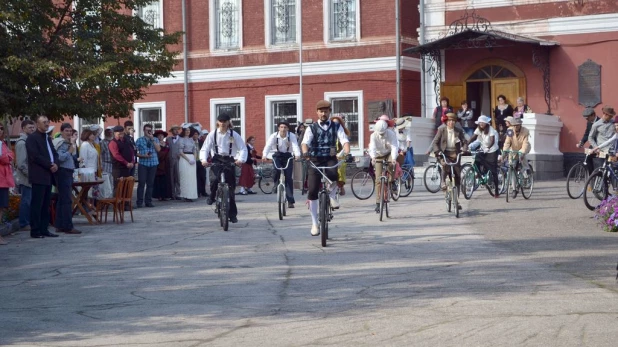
(91,58)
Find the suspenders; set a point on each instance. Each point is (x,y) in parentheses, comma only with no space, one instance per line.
(288,139)
(231,143)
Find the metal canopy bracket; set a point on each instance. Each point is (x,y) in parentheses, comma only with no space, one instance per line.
(540,59)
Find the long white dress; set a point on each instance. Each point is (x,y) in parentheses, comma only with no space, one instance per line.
(187,172)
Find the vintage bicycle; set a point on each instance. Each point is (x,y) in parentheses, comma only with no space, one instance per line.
(515,176)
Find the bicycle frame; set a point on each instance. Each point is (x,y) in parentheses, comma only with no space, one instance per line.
(325,213)
(451,194)
(385,187)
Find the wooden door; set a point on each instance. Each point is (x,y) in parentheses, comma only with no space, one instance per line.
(509,87)
(455,92)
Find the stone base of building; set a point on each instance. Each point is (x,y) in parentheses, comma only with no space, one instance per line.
(547,166)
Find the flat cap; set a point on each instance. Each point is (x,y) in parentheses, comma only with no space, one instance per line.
(118,129)
(322,104)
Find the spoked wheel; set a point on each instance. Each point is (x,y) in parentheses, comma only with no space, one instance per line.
(576,180)
(395,188)
(502,172)
(266,185)
(509,182)
(383,188)
(323,217)
(455,202)
(491,187)
(431,178)
(281,202)
(447,197)
(407,182)
(467,181)
(225,208)
(362,185)
(596,190)
(527,184)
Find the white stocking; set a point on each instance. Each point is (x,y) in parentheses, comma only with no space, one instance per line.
(313,208)
(333,191)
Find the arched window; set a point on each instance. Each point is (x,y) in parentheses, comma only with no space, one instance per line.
(490,72)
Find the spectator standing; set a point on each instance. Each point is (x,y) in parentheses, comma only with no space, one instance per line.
(128,132)
(147,148)
(440,112)
(162,188)
(174,146)
(186,165)
(42,165)
(247,174)
(106,155)
(6,176)
(21,165)
(67,150)
(122,155)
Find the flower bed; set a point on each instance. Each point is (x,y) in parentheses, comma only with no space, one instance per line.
(607,214)
(13,211)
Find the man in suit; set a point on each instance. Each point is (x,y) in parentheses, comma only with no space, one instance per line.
(449,140)
(172,142)
(42,166)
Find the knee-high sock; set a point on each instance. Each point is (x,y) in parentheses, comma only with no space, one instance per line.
(313,208)
(333,191)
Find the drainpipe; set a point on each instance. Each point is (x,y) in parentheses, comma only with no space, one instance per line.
(299,108)
(184,60)
(422,41)
(398,56)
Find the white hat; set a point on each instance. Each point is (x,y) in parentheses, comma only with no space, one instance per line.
(483,119)
(51,128)
(185,125)
(204,132)
(95,127)
(197,126)
(380,127)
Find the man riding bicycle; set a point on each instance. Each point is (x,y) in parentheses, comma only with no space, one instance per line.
(225,146)
(517,140)
(383,145)
(487,139)
(283,145)
(451,141)
(319,143)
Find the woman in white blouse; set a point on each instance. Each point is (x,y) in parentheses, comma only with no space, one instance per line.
(89,158)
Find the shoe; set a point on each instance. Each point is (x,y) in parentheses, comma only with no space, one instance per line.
(72,231)
(334,204)
(315,231)
(243,193)
(233,219)
(443,186)
(48,234)
(3,241)
(514,194)
(149,205)
(210,201)
(177,198)
(377,208)
(458,206)
(251,192)
(341,191)
(26,228)
(188,200)
(290,205)
(496,196)
(36,236)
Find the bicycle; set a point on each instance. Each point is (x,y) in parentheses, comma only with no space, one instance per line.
(472,178)
(387,189)
(523,183)
(325,210)
(597,185)
(363,182)
(432,177)
(451,195)
(281,196)
(222,197)
(407,180)
(578,174)
(264,175)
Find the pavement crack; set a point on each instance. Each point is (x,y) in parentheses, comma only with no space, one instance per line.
(223,334)
(83,314)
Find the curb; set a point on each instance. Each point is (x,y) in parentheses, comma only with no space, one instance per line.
(9,227)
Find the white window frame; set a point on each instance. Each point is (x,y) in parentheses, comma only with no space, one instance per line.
(326,25)
(212,32)
(269,99)
(213,112)
(361,116)
(77,125)
(268,25)
(136,120)
(161,20)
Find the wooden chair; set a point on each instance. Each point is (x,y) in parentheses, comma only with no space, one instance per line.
(114,202)
(127,197)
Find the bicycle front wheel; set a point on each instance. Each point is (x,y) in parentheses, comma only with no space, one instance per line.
(281,202)
(431,178)
(362,184)
(323,217)
(266,185)
(225,208)
(596,190)
(502,172)
(455,202)
(467,180)
(395,188)
(508,183)
(407,182)
(527,184)
(576,180)
(381,194)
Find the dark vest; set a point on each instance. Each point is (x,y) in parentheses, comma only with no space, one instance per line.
(324,141)
(126,151)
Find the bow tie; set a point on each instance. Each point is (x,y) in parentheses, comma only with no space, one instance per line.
(323,123)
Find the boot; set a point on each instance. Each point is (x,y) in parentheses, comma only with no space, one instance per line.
(341,189)
(377,208)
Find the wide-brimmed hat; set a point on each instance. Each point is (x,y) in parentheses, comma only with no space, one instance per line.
(451,116)
(509,119)
(401,123)
(322,104)
(588,111)
(175,126)
(204,132)
(483,119)
(50,129)
(517,121)
(160,132)
(384,118)
(609,110)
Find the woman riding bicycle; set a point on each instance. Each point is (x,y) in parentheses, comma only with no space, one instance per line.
(487,137)
(451,141)
(383,145)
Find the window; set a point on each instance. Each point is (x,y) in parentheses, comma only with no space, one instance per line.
(82,123)
(343,20)
(235,107)
(349,106)
(152,113)
(283,21)
(281,108)
(152,13)
(227,24)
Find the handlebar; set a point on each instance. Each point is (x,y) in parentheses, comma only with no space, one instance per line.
(282,168)
(451,163)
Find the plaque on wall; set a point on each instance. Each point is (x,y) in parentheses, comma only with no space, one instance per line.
(378,108)
(589,74)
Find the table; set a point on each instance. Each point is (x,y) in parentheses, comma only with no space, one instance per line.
(80,199)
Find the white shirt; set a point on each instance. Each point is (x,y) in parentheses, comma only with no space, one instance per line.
(343,138)
(381,145)
(90,155)
(239,149)
(450,140)
(486,138)
(288,144)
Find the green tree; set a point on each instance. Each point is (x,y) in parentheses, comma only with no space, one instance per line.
(91,58)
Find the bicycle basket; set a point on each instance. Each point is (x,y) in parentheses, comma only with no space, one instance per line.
(363,162)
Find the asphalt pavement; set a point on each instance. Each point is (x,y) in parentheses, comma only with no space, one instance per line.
(536,272)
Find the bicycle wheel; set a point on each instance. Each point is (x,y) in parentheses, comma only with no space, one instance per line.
(281,202)
(407,182)
(576,180)
(491,188)
(447,197)
(322,216)
(431,178)
(467,180)
(596,190)
(502,172)
(527,184)
(395,188)
(455,202)
(266,185)
(225,207)
(381,195)
(509,179)
(386,201)
(362,184)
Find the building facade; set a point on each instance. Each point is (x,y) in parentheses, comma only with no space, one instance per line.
(546,51)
